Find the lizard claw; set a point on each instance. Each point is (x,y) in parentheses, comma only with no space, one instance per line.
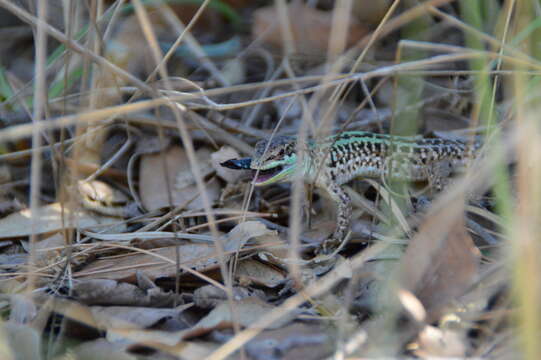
(333,245)
(328,246)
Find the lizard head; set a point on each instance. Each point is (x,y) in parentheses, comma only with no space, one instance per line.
(274,161)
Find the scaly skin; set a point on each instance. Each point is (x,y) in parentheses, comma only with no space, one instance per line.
(334,161)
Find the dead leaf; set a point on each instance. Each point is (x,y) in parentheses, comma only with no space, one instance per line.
(320,230)
(48,219)
(177,177)
(101,349)
(48,250)
(187,350)
(247,311)
(310,28)
(255,272)
(240,234)
(209,296)
(441,261)
(161,262)
(111,292)
(274,249)
(296,341)
(370,12)
(130,317)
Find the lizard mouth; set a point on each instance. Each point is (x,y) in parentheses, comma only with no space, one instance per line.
(265,175)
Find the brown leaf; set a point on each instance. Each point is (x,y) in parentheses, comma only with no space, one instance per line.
(310,28)
(441,261)
(49,250)
(209,296)
(177,177)
(111,292)
(161,262)
(91,350)
(188,350)
(255,272)
(370,12)
(130,317)
(48,219)
(296,341)
(247,311)
(243,232)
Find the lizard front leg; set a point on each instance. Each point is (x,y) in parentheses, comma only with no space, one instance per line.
(343,201)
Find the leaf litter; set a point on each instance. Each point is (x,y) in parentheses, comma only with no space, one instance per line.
(121,249)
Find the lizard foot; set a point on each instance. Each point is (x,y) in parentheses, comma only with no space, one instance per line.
(328,246)
(333,245)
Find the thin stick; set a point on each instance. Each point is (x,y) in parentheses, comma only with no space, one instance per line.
(40,99)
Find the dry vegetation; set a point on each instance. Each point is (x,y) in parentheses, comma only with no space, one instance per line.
(123,238)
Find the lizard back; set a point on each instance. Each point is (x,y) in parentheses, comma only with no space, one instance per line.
(342,157)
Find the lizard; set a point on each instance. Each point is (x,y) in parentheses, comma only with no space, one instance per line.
(333,161)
